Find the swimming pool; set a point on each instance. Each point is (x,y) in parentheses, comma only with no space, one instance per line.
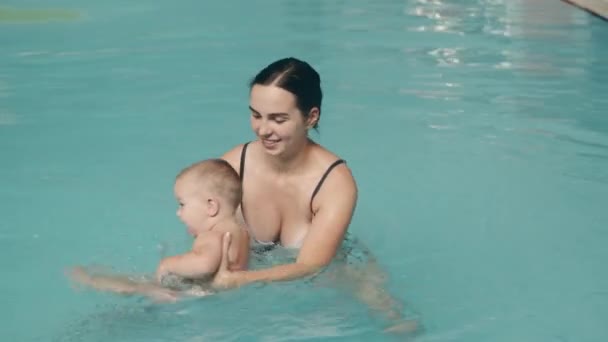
(476,130)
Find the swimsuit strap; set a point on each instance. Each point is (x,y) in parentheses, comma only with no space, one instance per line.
(318,187)
(242,166)
(242,174)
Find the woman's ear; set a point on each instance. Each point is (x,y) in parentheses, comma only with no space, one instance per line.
(213,207)
(313,117)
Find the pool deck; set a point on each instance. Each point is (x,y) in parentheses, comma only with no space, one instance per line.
(597,7)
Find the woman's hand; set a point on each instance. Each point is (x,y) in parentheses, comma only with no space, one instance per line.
(225,278)
(161,271)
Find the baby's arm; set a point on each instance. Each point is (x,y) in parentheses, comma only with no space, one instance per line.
(201,262)
(122,285)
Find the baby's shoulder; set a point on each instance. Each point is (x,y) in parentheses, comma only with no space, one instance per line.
(208,239)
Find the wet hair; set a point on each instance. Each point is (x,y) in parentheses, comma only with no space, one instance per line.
(298,78)
(219,176)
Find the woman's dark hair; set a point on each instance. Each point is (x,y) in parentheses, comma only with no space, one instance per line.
(298,78)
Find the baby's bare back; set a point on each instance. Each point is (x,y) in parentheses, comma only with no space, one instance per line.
(238,254)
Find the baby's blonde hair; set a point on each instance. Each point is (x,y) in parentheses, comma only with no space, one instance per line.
(219,176)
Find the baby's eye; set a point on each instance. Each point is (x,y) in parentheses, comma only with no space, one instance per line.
(181,204)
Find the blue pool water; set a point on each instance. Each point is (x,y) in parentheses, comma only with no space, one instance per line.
(476,129)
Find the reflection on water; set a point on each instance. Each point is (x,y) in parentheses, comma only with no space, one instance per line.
(17,15)
(7,118)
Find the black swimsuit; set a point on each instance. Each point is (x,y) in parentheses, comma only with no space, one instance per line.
(317,188)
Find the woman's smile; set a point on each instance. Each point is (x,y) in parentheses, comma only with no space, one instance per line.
(270,143)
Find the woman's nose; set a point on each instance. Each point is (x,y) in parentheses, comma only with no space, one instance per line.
(264,129)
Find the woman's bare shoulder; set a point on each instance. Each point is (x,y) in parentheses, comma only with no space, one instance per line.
(340,179)
(326,157)
(233,156)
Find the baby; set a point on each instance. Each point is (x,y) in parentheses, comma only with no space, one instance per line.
(209,193)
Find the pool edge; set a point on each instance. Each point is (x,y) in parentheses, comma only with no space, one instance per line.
(599,8)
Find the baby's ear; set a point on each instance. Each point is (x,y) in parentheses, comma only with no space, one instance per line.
(213,207)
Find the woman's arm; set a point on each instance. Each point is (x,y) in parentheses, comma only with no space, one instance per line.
(336,205)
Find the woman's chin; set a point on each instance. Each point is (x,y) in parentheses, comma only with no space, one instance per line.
(273,152)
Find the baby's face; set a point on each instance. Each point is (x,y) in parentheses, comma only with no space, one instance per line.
(192,209)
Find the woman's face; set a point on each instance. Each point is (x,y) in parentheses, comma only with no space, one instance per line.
(276,119)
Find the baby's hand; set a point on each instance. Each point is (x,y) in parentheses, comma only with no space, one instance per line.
(79,274)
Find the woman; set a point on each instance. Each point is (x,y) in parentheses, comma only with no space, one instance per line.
(296,193)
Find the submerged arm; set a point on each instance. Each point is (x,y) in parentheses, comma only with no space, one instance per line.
(121,284)
(105,282)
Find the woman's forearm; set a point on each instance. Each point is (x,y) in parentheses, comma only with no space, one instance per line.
(277,273)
